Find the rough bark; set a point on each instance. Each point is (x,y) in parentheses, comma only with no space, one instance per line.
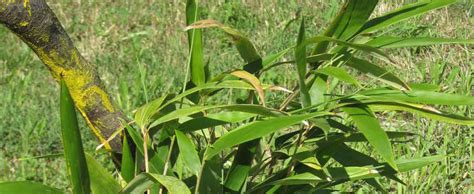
(36,24)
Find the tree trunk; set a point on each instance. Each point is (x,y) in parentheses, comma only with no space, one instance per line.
(36,24)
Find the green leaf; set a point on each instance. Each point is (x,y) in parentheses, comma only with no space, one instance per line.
(399,42)
(422,110)
(214,119)
(27,187)
(235,84)
(267,60)
(299,179)
(338,73)
(361,47)
(211,177)
(355,15)
(147,111)
(198,75)
(342,174)
(144,181)
(241,165)
(127,166)
(73,151)
(403,13)
(249,108)
(366,122)
(357,173)
(188,153)
(156,163)
(300,57)
(347,156)
(252,80)
(245,47)
(418,96)
(255,130)
(101,180)
(377,71)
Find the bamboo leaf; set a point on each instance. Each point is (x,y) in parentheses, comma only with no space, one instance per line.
(352,173)
(156,164)
(198,75)
(245,47)
(214,119)
(403,13)
(399,42)
(235,84)
(360,47)
(188,153)
(249,108)
(127,168)
(355,15)
(255,130)
(27,187)
(366,122)
(338,73)
(299,179)
(422,110)
(267,60)
(144,181)
(377,71)
(147,111)
(72,143)
(252,80)
(418,96)
(300,57)
(357,173)
(101,180)
(241,165)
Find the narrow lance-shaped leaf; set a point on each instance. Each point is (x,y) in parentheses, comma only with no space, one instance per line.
(300,57)
(400,42)
(267,60)
(338,73)
(144,181)
(214,119)
(344,174)
(403,13)
(240,169)
(73,150)
(101,180)
(359,47)
(236,84)
(380,73)
(421,110)
(417,96)
(27,187)
(127,168)
(245,47)
(354,17)
(249,108)
(147,111)
(366,122)
(198,75)
(252,80)
(188,153)
(256,130)
(156,164)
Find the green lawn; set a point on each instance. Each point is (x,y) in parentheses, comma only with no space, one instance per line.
(141,51)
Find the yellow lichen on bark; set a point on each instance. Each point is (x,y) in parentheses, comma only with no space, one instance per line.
(35,23)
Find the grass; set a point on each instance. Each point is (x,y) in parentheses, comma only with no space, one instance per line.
(138,49)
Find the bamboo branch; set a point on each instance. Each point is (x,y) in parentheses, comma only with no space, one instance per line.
(36,24)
